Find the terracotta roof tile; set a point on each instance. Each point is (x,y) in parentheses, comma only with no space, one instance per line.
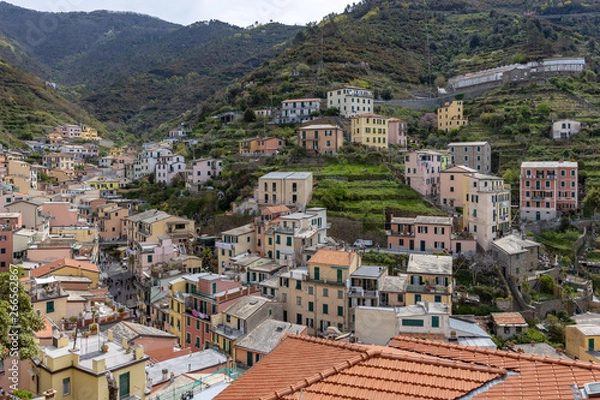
(321,369)
(56,265)
(535,377)
(333,257)
(508,318)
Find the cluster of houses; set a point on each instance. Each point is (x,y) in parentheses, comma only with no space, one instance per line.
(279,275)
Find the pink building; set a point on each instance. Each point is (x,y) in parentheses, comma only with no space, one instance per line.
(148,253)
(210,295)
(548,189)
(203,170)
(397,132)
(422,170)
(9,223)
(169,167)
(69,131)
(428,234)
(110,225)
(60,213)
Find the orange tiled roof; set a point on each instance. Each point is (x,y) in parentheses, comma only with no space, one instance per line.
(56,265)
(310,368)
(533,377)
(275,209)
(508,318)
(333,257)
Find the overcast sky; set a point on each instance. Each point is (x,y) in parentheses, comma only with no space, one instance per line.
(185,12)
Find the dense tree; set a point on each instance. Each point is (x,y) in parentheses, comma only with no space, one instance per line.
(18,321)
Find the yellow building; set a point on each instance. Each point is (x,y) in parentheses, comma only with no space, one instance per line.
(583,342)
(429,279)
(177,296)
(249,146)
(89,133)
(316,296)
(103,183)
(450,116)
(83,370)
(115,151)
(20,174)
(371,130)
(149,225)
(47,298)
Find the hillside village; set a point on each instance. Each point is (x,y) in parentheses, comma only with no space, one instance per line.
(118,282)
(345,244)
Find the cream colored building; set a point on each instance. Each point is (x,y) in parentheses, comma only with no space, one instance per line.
(21,175)
(321,139)
(149,225)
(452,186)
(429,279)
(371,130)
(450,116)
(79,370)
(486,213)
(350,100)
(288,188)
(316,295)
(235,243)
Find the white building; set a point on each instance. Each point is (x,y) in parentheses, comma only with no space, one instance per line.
(169,167)
(350,100)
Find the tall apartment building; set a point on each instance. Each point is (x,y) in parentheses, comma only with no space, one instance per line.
(450,116)
(350,100)
(288,188)
(422,170)
(298,110)
(476,155)
(371,130)
(486,213)
(429,279)
(317,295)
(548,189)
(321,139)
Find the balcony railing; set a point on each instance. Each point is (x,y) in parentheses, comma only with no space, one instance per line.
(428,289)
(356,291)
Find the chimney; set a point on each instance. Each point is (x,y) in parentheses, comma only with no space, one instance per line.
(172,378)
(49,394)
(165,374)
(109,335)
(125,343)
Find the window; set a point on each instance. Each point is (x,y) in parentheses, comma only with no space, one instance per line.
(284,297)
(150,258)
(340,311)
(197,344)
(318,274)
(417,298)
(298,285)
(311,306)
(325,309)
(288,241)
(437,298)
(124,385)
(298,300)
(310,290)
(325,292)
(400,298)
(49,307)
(66,384)
(339,275)
(412,322)
(435,321)
(340,294)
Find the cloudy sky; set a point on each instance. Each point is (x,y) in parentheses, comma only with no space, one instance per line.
(237,12)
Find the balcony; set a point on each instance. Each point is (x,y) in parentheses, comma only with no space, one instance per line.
(225,331)
(359,292)
(429,289)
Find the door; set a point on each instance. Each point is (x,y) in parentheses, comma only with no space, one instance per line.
(124,385)
(591,344)
(422,245)
(249,359)
(538,216)
(458,248)
(411,245)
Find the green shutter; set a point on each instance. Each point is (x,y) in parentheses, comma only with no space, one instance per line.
(124,385)
(412,322)
(435,321)
(317,274)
